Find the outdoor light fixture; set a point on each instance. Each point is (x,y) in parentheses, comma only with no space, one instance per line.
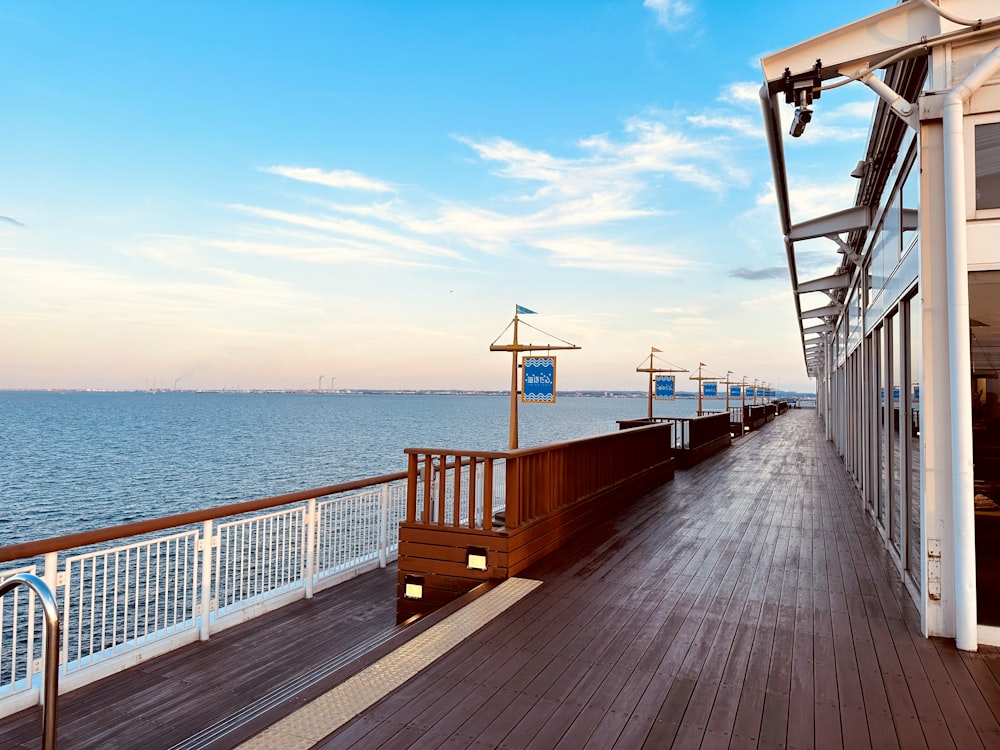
(861,170)
(475,558)
(803,116)
(801,91)
(413,587)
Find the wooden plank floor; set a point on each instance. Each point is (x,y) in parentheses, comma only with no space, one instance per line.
(164,701)
(746,604)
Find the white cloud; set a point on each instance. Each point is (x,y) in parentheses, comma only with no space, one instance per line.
(673,311)
(735,124)
(777,300)
(809,199)
(43,289)
(577,208)
(741,93)
(649,149)
(670,14)
(344,178)
(859,110)
(608,255)
(350,228)
(328,254)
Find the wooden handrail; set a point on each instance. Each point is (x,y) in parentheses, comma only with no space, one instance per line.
(25,550)
(539,479)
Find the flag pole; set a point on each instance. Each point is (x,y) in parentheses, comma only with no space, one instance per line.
(512,433)
(699,389)
(652,369)
(649,394)
(516,348)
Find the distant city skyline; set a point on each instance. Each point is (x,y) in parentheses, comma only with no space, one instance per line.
(226,195)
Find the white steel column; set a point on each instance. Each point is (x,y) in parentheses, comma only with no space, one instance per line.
(963,490)
(207,539)
(312,522)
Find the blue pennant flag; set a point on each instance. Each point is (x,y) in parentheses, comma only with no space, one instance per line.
(523,311)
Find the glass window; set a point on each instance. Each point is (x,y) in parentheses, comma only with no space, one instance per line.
(988,165)
(915,373)
(911,207)
(893,397)
(984,334)
(884,402)
(891,234)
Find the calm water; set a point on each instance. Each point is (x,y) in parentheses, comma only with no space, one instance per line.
(76,461)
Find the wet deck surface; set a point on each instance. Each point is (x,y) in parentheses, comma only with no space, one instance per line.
(748,603)
(164,701)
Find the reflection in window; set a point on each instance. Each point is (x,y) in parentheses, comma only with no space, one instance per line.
(911,207)
(891,234)
(913,491)
(988,165)
(984,335)
(894,397)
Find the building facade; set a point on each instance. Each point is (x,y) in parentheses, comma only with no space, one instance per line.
(903,336)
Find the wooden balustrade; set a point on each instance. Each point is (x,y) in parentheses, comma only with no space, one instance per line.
(548,494)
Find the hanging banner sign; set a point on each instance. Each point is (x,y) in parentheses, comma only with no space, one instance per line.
(710,390)
(734,391)
(664,387)
(538,380)
(916,393)
(769,394)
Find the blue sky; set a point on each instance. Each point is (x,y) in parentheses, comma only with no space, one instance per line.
(254,194)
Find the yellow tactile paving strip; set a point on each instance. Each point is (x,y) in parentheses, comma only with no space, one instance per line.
(314,721)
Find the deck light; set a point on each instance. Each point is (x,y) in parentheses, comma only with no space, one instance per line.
(413,587)
(475,558)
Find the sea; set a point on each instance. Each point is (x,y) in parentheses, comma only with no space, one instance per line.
(74,461)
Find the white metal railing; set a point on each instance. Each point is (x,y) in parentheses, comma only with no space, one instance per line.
(125,604)
(18,655)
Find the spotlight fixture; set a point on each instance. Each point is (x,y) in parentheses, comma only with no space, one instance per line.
(860,170)
(475,558)
(413,587)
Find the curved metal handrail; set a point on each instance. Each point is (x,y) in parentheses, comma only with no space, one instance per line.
(51,654)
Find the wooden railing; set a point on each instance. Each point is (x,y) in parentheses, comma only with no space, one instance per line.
(509,509)
(538,480)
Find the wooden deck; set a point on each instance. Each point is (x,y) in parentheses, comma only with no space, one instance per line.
(747,603)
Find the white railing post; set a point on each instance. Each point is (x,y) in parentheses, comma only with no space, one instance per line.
(312,520)
(207,558)
(51,578)
(383,524)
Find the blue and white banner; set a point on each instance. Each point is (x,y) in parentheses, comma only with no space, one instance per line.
(538,380)
(710,390)
(664,387)
(734,391)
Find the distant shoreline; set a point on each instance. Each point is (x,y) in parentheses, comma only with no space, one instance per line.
(380,392)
